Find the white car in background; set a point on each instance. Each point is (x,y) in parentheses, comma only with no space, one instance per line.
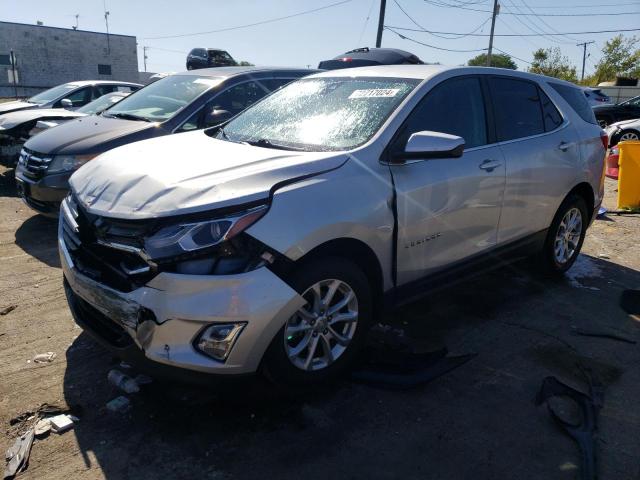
(595,97)
(623,131)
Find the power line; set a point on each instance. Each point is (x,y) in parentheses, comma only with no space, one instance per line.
(587,6)
(438,4)
(515,34)
(404,37)
(530,25)
(435,34)
(237,27)
(513,56)
(543,21)
(366,21)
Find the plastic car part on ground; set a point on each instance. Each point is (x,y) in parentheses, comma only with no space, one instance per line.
(612,168)
(396,361)
(583,430)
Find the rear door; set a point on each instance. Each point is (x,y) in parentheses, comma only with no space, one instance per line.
(540,150)
(448,208)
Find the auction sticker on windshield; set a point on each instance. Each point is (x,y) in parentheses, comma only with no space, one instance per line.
(375,93)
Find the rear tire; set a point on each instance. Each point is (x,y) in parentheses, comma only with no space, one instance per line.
(320,341)
(565,236)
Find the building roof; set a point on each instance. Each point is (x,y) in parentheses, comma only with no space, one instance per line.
(30,25)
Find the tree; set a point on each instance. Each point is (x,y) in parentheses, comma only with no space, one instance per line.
(620,58)
(497,60)
(552,63)
(244,63)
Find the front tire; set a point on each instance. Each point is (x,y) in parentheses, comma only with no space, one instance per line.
(627,135)
(566,235)
(322,339)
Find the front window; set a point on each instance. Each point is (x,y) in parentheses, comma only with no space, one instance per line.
(320,114)
(100,104)
(52,94)
(163,99)
(635,101)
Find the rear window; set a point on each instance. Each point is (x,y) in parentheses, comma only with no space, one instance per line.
(517,108)
(574,97)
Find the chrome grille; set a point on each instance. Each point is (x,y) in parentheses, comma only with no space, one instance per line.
(35,164)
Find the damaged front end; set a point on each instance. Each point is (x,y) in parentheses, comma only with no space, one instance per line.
(193,292)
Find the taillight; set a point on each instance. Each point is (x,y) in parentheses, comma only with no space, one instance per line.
(346,59)
(605,140)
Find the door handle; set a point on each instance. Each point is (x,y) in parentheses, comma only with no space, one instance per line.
(564,146)
(489,165)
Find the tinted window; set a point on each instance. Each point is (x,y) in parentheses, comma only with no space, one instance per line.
(456,107)
(103,90)
(517,108)
(574,97)
(52,93)
(80,97)
(552,117)
(240,96)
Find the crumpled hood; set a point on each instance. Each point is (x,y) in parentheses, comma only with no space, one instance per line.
(625,122)
(6,107)
(90,134)
(13,119)
(187,173)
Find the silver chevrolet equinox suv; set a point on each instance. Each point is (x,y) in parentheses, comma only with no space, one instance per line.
(271,244)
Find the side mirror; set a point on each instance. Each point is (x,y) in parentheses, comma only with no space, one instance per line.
(426,144)
(216,116)
(66,103)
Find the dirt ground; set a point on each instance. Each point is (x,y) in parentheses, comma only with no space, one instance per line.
(477,422)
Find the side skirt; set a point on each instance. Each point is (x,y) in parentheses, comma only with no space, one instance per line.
(465,269)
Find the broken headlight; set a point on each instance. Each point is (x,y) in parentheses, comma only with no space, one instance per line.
(185,238)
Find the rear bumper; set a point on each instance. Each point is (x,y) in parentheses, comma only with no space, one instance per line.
(159,322)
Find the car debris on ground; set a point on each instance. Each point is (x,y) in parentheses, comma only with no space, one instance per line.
(44,357)
(7,310)
(30,425)
(581,426)
(119,404)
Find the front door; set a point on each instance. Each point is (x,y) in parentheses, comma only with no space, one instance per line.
(449,208)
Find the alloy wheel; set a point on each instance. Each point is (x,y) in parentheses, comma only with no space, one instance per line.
(629,136)
(321,331)
(568,236)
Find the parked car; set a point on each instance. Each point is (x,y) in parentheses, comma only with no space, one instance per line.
(612,163)
(361,57)
(69,95)
(608,114)
(174,104)
(595,97)
(625,130)
(20,125)
(209,57)
(272,243)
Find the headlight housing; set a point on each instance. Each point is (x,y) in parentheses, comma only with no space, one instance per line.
(217,340)
(68,163)
(185,238)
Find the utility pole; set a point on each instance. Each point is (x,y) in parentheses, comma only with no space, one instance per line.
(77,17)
(144,57)
(106,21)
(584,55)
(383,6)
(496,10)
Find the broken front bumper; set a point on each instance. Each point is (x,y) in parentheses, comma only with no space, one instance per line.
(163,319)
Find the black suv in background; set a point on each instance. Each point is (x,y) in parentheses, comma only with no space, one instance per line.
(177,103)
(365,57)
(209,57)
(627,110)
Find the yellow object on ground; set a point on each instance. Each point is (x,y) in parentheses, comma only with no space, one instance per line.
(629,175)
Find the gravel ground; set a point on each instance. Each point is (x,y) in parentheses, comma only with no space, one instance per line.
(477,422)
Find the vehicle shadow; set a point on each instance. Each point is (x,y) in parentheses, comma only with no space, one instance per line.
(8,182)
(456,427)
(37,236)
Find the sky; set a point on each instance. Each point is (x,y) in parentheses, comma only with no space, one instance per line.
(305,40)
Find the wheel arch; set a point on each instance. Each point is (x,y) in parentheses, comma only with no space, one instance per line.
(584,190)
(358,252)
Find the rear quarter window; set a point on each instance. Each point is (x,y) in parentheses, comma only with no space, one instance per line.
(577,100)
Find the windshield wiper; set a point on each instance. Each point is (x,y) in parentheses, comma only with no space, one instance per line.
(266,143)
(127,116)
